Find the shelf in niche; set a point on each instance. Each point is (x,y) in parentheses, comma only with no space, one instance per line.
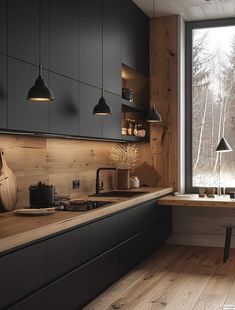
(128,106)
(135,139)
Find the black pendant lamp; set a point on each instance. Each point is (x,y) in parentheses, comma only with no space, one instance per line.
(223,146)
(153,116)
(40,92)
(102,108)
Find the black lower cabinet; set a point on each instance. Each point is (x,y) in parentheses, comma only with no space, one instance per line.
(104,234)
(67,251)
(141,245)
(68,270)
(80,286)
(22,273)
(140,217)
(36,301)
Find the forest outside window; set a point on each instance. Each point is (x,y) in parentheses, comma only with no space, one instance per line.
(210,104)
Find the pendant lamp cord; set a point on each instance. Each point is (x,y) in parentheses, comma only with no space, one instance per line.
(39,32)
(102,48)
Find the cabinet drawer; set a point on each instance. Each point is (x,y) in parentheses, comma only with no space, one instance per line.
(67,251)
(104,234)
(22,272)
(36,301)
(140,217)
(137,248)
(78,287)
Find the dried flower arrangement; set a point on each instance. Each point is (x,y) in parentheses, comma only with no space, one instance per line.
(124,156)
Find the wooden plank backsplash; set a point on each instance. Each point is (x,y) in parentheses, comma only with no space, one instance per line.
(56,162)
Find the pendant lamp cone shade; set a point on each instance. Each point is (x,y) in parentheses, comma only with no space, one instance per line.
(223,146)
(40,91)
(102,108)
(154,116)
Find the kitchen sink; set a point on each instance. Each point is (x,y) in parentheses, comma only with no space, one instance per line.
(120,194)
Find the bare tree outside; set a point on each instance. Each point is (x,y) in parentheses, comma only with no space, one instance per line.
(213,105)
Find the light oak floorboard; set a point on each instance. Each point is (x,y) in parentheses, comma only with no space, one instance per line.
(175,278)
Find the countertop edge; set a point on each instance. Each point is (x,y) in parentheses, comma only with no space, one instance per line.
(38,234)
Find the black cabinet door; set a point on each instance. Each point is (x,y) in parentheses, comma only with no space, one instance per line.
(36,301)
(142,29)
(3,26)
(112,46)
(132,251)
(67,251)
(104,270)
(64,110)
(3,91)
(90,42)
(22,272)
(23,30)
(112,123)
(104,234)
(135,37)
(63,33)
(78,287)
(89,125)
(24,114)
(140,217)
(129,34)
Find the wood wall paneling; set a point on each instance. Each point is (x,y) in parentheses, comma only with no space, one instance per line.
(57,162)
(201,226)
(164,73)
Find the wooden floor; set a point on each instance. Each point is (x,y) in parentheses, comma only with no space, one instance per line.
(176,278)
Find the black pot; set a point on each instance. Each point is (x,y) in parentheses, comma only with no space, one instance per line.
(41,196)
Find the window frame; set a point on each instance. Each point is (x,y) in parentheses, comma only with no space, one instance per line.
(190,26)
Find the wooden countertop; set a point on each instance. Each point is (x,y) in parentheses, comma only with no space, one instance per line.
(16,231)
(193,200)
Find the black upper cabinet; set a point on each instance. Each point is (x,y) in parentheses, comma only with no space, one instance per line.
(135,37)
(3,91)
(112,45)
(23,30)
(24,114)
(63,33)
(112,123)
(90,42)
(89,125)
(3,26)
(64,110)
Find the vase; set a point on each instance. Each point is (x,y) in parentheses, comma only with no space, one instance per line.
(123,179)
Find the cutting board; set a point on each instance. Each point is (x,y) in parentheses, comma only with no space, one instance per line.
(8,187)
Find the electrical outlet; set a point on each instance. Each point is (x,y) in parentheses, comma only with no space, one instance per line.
(76,184)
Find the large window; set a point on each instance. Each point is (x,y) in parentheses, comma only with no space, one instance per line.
(210,104)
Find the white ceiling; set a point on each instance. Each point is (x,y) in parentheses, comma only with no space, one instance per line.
(189,9)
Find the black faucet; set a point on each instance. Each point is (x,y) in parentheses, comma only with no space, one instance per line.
(99,187)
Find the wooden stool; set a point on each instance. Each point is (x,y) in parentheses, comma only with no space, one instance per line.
(227,242)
